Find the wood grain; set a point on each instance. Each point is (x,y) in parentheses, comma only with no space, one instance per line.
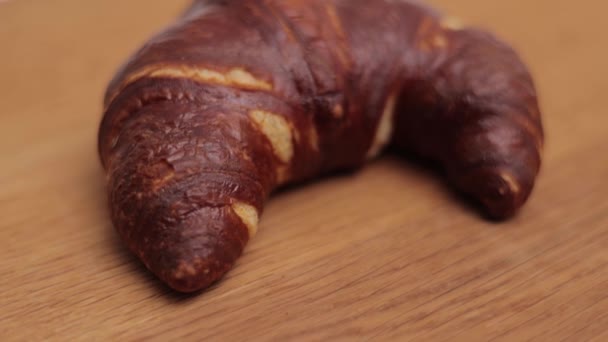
(388,253)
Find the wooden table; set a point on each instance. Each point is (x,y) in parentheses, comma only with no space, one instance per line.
(386,253)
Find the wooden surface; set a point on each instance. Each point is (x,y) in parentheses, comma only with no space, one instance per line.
(386,254)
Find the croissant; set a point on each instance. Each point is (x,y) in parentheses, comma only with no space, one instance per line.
(238,98)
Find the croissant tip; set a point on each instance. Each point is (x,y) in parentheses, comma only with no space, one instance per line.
(502,195)
(191,278)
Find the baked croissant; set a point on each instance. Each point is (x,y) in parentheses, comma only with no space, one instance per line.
(238,98)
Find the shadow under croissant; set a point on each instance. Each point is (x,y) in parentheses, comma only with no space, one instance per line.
(424,170)
(466,202)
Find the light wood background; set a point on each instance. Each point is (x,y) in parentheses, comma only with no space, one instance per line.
(388,253)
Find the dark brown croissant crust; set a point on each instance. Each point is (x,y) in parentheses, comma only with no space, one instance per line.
(240,97)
